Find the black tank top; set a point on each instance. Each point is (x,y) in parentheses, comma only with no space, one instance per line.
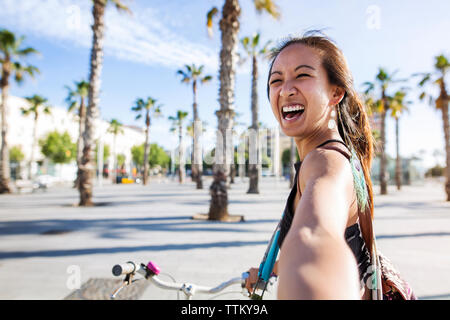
(353,235)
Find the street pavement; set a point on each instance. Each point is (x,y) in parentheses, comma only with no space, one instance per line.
(49,247)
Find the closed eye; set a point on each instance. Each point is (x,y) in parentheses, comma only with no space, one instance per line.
(276,80)
(299,76)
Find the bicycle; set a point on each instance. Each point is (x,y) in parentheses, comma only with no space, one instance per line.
(151,271)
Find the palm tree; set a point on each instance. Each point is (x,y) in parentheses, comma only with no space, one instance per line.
(115,127)
(398,106)
(37,104)
(191,132)
(252,48)
(229,27)
(76,99)
(192,74)
(177,126)
(146,107)
(383,79)
(442,66)
(11,55)
(87,167)
(236,123)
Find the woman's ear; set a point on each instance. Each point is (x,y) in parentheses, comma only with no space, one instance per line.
(338,95)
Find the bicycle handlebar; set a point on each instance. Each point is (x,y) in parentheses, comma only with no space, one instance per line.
(126,268)
(151,271)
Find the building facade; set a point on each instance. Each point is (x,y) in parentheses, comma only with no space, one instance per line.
(20,134)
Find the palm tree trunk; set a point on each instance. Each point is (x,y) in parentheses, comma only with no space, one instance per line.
(5,182)
(383,160)
(182,171)
(398,163)
(445,115)
(146,154)
(87,165)
(33,146)
(114,176)
(197,164)
(82,119)
(194,140)
(253,167)
(230,156)
(232,172)
(229,26)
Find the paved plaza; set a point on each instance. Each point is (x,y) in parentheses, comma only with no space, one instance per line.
(45,239)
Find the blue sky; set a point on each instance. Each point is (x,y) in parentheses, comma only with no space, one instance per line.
(144,50)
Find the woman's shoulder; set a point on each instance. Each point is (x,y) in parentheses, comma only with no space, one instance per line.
(325,163)
(326,160)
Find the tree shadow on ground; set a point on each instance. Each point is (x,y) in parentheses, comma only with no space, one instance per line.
(405,217)
(113,250)
(414,235)
(436,297)
(410,205)
(120,227)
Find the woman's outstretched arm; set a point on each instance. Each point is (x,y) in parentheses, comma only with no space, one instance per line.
(316,262)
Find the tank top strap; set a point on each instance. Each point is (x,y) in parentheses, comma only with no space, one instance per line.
(331,140)
(347,155)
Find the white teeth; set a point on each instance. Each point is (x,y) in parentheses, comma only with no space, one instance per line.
(296,107)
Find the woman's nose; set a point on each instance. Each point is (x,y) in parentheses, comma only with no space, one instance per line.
(287,90)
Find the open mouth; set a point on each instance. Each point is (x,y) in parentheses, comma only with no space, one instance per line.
(292,112)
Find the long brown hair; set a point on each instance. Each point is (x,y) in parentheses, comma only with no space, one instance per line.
(352,119)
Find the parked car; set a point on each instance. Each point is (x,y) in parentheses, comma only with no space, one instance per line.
(267,173)
(127,180)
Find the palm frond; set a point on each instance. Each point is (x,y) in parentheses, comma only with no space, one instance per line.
(73,106)
(206,79)
(265,49)
(255,40)
(25,111)
(425,79)
(157,112)
(370,86)
(442,63)
(18,77)
(267,6)
(26,51)
(31,70)
(47,110)
(209,20)
(115,127)
(181,114)
(182,73)
(120,6)
(245,41)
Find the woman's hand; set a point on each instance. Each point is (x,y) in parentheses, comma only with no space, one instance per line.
(250,282)
(253,276)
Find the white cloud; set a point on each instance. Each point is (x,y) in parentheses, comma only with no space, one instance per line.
(140,37)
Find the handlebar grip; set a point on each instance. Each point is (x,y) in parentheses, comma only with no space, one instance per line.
(126,268)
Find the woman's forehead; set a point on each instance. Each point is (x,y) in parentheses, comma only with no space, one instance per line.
(296,55)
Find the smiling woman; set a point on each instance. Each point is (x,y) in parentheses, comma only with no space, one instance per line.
(326,230)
